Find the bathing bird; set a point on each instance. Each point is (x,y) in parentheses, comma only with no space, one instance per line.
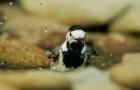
(73,53)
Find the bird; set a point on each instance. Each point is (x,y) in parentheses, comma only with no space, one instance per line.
(73,53)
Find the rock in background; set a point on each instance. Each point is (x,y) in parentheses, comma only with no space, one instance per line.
(81,79)
(92,79)
(36,80)
(4,86)
(127,73)
(18,54)
(86,13)
(29,28)
(130,20)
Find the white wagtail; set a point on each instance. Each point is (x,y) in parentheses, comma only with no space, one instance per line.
(73,53)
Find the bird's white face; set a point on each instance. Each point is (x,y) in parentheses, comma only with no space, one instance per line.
(75,36)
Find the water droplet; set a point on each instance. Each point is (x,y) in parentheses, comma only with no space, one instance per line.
(60,27)
(1,23)
(5,17)
(40,3)
(44,29)
(11,3)
(103,64)
(2,63)
(40,68)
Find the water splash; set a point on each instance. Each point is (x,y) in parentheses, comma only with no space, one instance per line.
(44,29)
(11,3)
(2,63)
(1,23)
(40,68)
(111,55)
(5,17)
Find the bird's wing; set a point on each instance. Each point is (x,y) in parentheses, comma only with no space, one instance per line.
(90,50)
(91,53)
(55,54)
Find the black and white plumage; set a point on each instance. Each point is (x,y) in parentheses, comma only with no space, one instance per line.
(73,53)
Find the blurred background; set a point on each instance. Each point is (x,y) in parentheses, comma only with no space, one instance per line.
(31,28)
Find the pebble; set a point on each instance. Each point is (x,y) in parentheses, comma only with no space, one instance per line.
(52,40)
(127,75)
(129,21)
(17,24)
(118,43)
(4,86)
(131,58)
(36,80)
(86,13)
(18,54)
(92,79)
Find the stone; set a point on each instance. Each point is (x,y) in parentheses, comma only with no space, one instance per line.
(50,41)
(105,61)
(129,21)
(131,58)
(18,54)
(91,79)
(36,80)
(86,13)
(4,86)
(29,28)
(127,75)
(118,43)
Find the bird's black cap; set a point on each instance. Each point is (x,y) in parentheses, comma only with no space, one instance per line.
(75,27)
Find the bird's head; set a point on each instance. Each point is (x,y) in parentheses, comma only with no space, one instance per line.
(76,34)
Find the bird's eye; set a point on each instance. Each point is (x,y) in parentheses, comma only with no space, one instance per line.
(70,34)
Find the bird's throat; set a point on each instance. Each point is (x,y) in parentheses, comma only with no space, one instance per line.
(73,58)
(75,47)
